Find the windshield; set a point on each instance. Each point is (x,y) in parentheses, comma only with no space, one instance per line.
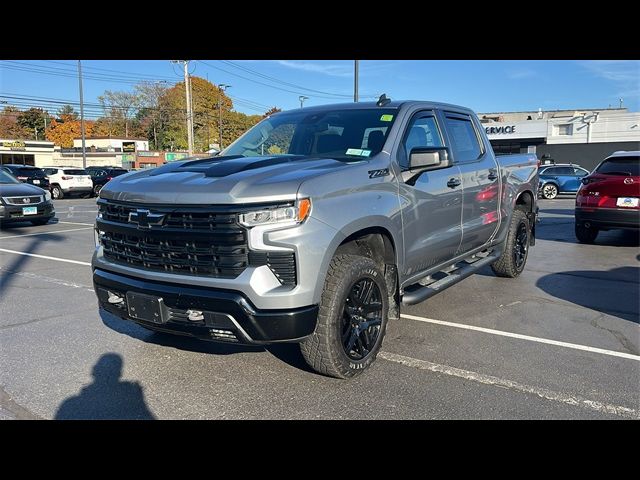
(339,134)
(7,177)
(629,166)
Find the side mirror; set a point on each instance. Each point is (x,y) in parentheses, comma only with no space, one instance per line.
(584,180)
(429,158)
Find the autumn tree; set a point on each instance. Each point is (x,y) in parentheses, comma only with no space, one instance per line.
(33,121)
(9,126)
(271,111)
(63,133)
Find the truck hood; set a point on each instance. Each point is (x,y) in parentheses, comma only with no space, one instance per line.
(222,180)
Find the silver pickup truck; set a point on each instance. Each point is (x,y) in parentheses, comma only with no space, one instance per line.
(315,226)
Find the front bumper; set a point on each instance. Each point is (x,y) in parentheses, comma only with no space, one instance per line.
(228,315)
(624,218)
(13,213)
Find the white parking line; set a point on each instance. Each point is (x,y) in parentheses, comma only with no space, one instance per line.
(44,278)
(501,333)
(45,257)
(46,233)
(500,382)
(78,223)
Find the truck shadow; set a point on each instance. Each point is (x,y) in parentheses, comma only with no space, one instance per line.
(285,352)
(586,288)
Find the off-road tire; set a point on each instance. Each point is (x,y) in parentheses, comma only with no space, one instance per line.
(323,350)
(506,265)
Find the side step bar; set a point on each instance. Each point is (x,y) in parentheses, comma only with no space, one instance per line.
(417,293)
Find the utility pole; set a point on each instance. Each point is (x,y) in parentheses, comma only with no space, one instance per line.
(223,87)
(187,89)
(302,98)
(84,149)
(355,80)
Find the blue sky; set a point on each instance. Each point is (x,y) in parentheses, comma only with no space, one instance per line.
(485,86)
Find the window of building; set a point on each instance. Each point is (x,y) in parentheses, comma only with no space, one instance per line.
(565,129)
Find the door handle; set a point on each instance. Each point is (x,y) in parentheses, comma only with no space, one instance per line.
(492,176)
(453,183)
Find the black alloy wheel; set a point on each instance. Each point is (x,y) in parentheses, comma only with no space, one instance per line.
(521,245)
(361,319)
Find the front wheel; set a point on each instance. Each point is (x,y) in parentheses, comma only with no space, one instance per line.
(549,191)
(352,318)
(516,247)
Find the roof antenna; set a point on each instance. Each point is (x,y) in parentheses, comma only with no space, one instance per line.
(383,100)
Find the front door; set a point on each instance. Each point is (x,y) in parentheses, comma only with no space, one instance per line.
(480,181)
(431,202)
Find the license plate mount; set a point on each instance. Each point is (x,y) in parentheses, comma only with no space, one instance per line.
(148,308)
(29,210)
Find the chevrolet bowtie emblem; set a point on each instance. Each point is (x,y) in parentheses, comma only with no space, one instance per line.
(145,219)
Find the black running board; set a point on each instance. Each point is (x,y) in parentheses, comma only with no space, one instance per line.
(417,293)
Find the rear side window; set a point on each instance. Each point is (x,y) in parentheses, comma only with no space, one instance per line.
(629,166)
(79,171)
(464,141)
(550,171)
(564,171)
(115,173)
(51,171)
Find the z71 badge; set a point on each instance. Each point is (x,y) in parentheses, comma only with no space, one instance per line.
(378,173)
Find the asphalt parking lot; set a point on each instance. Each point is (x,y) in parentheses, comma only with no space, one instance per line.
(560,342)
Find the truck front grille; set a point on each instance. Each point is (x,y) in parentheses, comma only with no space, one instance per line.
(188,240)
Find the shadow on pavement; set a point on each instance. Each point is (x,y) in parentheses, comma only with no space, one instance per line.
(107,397)
(586,288)
(557,211)
(20,261)
(285,352)
(561,232)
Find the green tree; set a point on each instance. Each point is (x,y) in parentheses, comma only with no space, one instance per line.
(33,122)
(66,113)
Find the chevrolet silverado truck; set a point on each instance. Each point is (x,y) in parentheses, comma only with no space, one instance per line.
(315,226)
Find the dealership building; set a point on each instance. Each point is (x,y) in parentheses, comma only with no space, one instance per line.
(583,137)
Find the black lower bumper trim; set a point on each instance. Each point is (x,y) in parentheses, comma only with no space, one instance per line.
(609,218)
(223,311)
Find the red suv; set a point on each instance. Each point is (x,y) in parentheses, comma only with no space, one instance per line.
(609,197)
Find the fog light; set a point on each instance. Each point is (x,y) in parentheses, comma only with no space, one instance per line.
(114,298)
(195,315)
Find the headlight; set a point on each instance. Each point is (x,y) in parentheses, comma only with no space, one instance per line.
(291,215)
(47,196)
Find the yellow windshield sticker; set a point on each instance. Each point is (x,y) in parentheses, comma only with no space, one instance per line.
(386,117)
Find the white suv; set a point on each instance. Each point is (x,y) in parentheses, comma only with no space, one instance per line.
(67,180)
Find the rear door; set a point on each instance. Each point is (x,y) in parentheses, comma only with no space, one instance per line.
(431,203)
(480,180)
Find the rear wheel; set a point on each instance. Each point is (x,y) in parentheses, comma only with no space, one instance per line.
(57,193)
(352,318)
(516,248)
(549,191)
(586,234)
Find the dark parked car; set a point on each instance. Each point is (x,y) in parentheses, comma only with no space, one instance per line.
(101,175)
(28,174)
(21,202)
(560,178)
(609,198)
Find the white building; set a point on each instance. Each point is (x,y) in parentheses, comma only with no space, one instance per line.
(583,137)
(119,144)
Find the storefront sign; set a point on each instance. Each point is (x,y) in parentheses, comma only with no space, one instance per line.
(15,145)
(128,146)
(504,129)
